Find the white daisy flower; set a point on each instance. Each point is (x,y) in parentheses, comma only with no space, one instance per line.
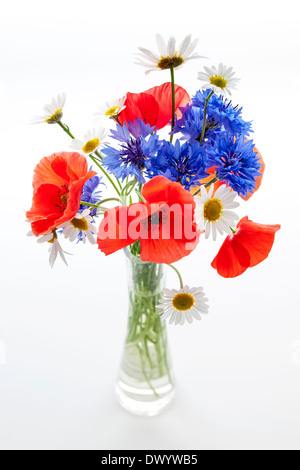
(221,80)
(213,212)
(53,111)
(183,305)
(81,225)
(92,140)
(168,54)
(54,248)
(111,108)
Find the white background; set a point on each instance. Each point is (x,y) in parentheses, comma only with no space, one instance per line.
(238,371)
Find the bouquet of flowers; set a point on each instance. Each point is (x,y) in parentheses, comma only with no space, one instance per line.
(169,192)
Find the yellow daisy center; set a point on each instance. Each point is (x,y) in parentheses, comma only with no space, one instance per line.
(213,210)
(112,111)
(91,145)
(165,62)
(55,117)
(218,81)
(80,224)
(183,301)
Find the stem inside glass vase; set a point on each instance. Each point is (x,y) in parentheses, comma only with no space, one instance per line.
(145,384)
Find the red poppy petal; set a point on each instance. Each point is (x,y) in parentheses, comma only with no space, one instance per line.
(45,174)
(154,106)
(163,96)
(77,165)
(59,169)
(45,202)
(179,207)
(232,260)
(74,196)
(161,188)
(46,205)
(113,230)
(165,251)
(39,227)
(156,190)
(142,106)
(258,239)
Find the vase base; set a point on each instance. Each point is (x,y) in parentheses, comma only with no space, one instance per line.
(142,401)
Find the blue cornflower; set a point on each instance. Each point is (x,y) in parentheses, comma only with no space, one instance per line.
(185,163)
(191,123)
(236,163)
(90,193)
(130,158)
(221,112)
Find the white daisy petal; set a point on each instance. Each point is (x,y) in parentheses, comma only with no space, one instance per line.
(153,57)
(203,76)
(214,232)
(184,45)
(191,48)
(171,47)
(232,205)
(45,238)
(73,235)
(189,317)
(182,305)
(167,314)
(91,141)
(54,247)
(208,230)
(80,227)
(230,214)
(53,111)
(172,318)
(219,79)
(90,237)
(111,108)
(161,45)
(195,314)
(216,214)
(167,54)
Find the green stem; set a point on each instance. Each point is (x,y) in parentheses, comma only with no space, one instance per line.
(204,116)
(109,199)
(152,366)
(178,274)
(173,100)
(141,198)
(128,187)
(99,154)
(84,203)
(207,185)
(144,371)
(66,129)
(105,173)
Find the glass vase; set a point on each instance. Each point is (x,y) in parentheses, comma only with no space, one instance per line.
(145,383)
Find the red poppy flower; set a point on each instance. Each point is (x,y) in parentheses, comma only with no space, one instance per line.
(57,182)
(163,224)
(249,246)
(154,106)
